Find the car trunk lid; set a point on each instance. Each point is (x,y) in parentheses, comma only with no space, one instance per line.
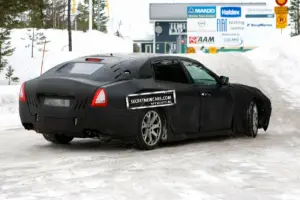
(61,97)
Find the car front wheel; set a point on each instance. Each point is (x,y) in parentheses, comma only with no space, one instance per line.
(57,139)
(252,118)
(150,130)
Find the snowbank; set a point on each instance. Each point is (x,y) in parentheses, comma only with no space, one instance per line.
(57,50)
(9,117)
(281,61)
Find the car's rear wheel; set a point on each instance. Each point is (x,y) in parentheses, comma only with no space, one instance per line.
(57,139)
(252,118)
(150,130)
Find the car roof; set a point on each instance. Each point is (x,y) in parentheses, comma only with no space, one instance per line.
(127,56)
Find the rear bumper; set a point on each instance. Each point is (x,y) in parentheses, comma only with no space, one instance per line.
(105,122)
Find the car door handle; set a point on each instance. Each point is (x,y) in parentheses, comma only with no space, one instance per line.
(205,94)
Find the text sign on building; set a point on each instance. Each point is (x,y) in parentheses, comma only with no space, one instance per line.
(177,28)
(231,12)
(201,11)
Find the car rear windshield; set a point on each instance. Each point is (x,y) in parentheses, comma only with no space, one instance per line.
(80,68)
(108,71)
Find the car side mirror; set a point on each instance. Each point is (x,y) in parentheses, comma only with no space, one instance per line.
(224,80)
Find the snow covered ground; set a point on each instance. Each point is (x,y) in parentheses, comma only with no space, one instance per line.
(266,168)
(215,169)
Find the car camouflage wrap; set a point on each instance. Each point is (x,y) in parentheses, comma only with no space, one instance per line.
(110,95)
(243,95)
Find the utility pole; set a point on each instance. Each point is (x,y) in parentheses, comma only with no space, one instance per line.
(69,26)
(90,15)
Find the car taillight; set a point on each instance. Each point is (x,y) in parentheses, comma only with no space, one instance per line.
(93,59)
(22,94)
(100,98)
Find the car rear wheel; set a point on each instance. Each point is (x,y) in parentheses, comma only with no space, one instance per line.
(150,130)
(252,120)
(57,139)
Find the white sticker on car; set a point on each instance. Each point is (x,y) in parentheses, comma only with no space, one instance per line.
(151,99)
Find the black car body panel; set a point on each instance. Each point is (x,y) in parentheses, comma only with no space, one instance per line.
(198,109)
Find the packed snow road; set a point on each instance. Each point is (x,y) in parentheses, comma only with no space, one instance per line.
(223,168)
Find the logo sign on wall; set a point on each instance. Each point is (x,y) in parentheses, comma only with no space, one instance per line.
(233,41)
(236,25)
(225,25)
(259,12)
(221,25)
(201,39)
(261,25)
(201,25)
(229,12)
(201,11)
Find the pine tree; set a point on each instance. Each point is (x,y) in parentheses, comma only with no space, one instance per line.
(99,16)
(82,17)
(37,40)
(9,75)
(294,13)
(5,47)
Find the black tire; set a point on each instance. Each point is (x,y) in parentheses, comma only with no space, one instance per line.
(252,119)
(57,139)
(143,143)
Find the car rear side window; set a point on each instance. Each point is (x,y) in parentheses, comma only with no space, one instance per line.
(80,68)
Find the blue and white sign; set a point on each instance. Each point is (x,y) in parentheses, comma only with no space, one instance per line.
(259,25)
(221,25)
(201,11)
(229,12)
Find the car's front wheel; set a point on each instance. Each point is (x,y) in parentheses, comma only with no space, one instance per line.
(150,130)
(252,119)
(57,139)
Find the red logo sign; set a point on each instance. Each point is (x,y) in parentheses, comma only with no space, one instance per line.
(281,2)
(193,39)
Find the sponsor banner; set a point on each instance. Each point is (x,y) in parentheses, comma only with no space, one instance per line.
(236,25)
(201,11)
(230,25)
(217,39)
(201,40)
(258,25)
(230,12)
(233,41)
(151,99)
(222,25)
(259,10)
(201,25)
